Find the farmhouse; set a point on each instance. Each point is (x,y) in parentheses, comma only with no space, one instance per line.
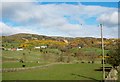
(43,46)
(39,47)
(79,47)
(19,49)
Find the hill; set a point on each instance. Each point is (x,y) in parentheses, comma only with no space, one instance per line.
(33,39)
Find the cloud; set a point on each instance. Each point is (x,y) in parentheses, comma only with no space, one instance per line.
(93,31)
(8,30)
(54,17)
(42,14)
(109,19)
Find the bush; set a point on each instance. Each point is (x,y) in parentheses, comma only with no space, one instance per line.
(114,58)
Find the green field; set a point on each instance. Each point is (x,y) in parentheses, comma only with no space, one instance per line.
(58,72)
(92,49)
(19,65)
(74,71)
(12,55)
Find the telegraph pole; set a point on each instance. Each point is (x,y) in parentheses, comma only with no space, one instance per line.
(103,55)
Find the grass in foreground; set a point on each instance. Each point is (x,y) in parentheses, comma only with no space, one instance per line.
(58,72)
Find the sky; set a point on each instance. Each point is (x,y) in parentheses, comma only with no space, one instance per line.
(67,19)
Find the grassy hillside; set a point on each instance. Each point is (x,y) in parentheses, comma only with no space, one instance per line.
(31,40)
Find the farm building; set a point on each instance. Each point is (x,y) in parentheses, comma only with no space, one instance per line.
(39,47)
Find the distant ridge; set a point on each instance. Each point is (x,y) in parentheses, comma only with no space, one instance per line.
(29,35)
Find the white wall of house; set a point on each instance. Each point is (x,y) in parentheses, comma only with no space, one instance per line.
(38,47)
(43,46)
(19,49)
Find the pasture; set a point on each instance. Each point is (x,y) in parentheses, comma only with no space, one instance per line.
(59,71)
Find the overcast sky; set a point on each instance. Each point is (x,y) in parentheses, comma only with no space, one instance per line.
(73,19)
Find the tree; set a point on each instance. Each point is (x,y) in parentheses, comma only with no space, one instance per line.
(114,58)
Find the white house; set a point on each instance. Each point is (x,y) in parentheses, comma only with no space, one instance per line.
(43,46)
(38,47)
(19,49)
